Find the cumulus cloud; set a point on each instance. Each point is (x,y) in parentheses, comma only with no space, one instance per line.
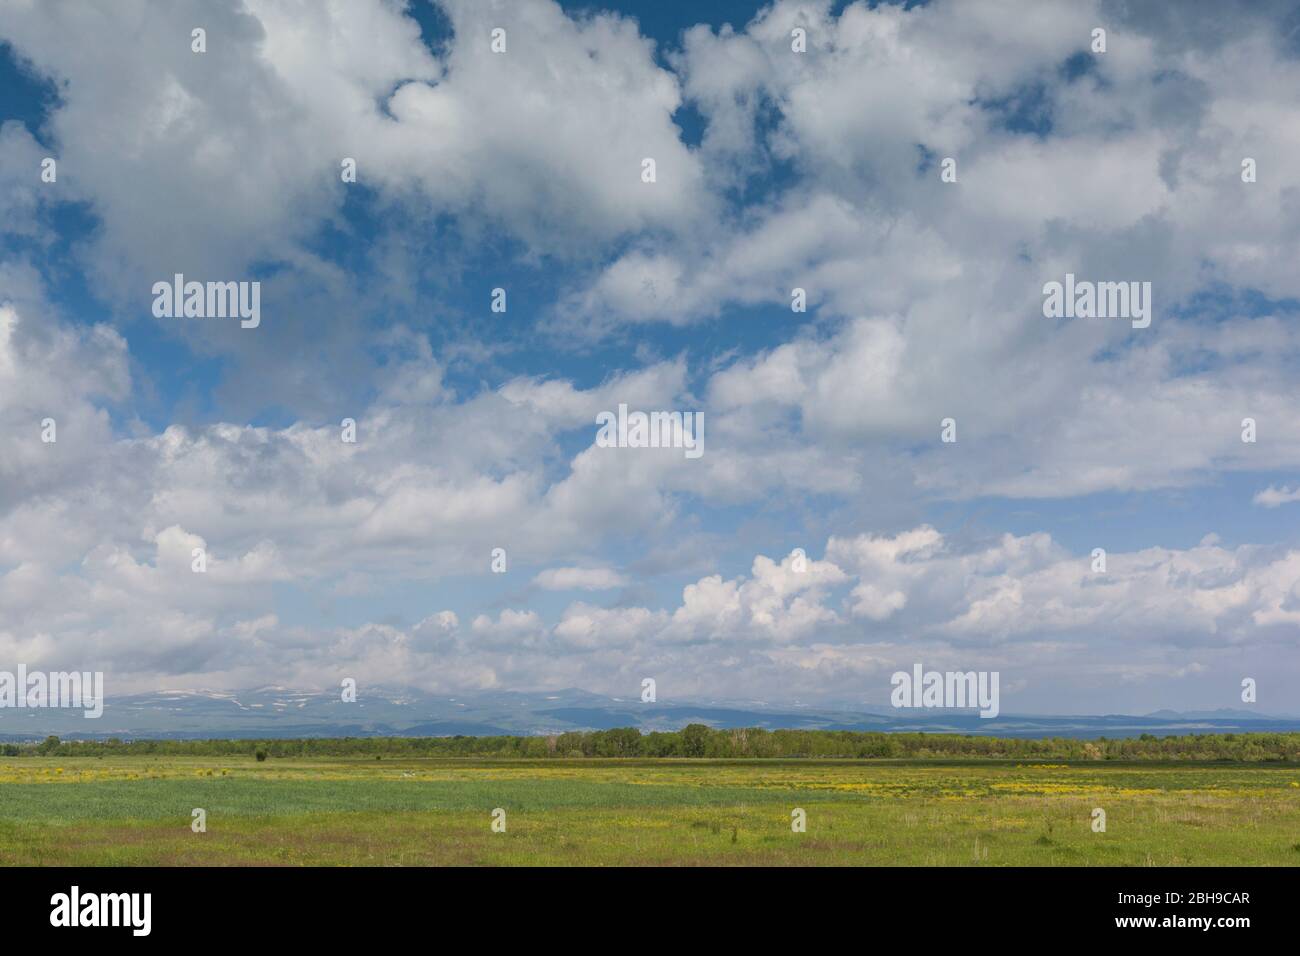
(247,139)
(838,627)
(923,282)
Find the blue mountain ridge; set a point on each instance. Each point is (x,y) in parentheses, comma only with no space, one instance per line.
(277,712)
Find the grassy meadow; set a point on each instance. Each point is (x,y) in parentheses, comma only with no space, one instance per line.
(133,810)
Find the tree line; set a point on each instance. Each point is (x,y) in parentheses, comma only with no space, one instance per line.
(699,740)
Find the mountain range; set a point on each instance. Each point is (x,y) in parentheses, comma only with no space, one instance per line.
(269,712)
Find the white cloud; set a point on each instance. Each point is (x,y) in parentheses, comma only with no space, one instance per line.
(207,163)
(1272,497)
(1022,605)
(589,628)
(579,579)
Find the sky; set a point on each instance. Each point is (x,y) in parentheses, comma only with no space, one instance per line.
(827,535)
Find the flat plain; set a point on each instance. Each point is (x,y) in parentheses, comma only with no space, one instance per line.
(438,811)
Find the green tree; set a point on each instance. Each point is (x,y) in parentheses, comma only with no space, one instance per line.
(695,740)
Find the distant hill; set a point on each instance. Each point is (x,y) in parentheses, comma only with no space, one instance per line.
(268,712)
(1224,714)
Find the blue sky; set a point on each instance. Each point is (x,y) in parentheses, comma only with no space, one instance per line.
(776,169)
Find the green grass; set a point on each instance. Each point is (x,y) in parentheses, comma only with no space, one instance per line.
(136,810)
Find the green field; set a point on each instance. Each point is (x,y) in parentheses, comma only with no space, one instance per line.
(433,811)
